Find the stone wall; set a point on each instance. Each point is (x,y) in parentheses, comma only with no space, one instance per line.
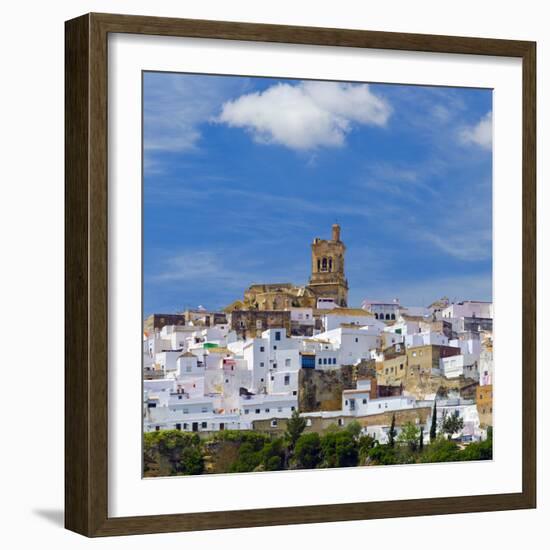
(319,425)
(158,320)
(251,323)
(420,385)
(321,390)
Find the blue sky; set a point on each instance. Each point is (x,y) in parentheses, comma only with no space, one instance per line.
(240,174)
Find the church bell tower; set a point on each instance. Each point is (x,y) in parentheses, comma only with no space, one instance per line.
(327,268)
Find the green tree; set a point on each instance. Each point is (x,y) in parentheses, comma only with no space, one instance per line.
(440,450)
(273,455)
(482,450)
(392,432)
(354,428)
(172,452)
(433,428)
(294,428)
(365,444)
(191,461)
(307,453)
(339,449)
(451,424)
(421,439)
(251,446)
(383,454)
(409,435)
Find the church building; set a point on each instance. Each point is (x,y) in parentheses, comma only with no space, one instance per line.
(327,281)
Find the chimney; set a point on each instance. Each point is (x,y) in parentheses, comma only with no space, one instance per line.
(336,232)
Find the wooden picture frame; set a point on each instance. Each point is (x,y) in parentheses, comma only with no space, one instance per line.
(86,374)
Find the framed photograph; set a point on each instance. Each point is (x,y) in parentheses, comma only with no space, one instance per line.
(300,275)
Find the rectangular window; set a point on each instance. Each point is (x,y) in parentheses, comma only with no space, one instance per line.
(257,411)
(203,425)
(287,362)
(277,336)
(287,379)
(267,410)
(262,348)
(261,363)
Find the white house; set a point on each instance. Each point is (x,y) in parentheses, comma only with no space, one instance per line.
(457,365)
(426,339)
(468,308)
(354,344)
(387,311)
(167,360)
(347,316)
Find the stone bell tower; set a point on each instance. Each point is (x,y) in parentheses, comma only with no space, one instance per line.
(327,268)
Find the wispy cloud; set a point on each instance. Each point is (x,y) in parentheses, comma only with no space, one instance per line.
(410,181)
(175,105)
(198,266)
(307,115)
(479,134)
(471,245)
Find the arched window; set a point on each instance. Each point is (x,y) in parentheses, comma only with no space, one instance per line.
(376,315)
(330,264)
(393,316)
(318,265)
(387,316)
(324,264)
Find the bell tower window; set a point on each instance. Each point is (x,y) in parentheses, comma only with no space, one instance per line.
(324,265)
(330,264)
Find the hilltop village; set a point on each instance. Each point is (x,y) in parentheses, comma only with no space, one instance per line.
(284,351)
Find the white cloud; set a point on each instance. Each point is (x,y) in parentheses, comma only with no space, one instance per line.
(480,134)
(307,115)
